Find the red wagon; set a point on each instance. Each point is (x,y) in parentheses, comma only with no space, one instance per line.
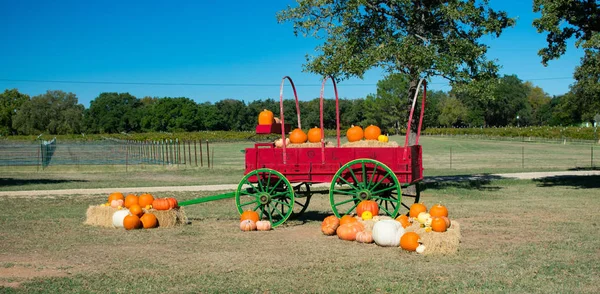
(277,181)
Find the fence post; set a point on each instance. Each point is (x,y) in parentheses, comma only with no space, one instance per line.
(189,153)
(207,155)
(184,159)
(592,156)
(196,154)
(201,161)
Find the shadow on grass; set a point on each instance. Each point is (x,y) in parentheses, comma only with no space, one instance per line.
(6,182)
(473,182)
(310,216)
(580,182)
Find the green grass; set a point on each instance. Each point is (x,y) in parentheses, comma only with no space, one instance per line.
(517,236)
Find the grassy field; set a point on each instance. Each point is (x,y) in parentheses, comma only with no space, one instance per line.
(441,156)
(518,236)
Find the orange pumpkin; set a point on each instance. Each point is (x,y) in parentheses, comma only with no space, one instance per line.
(403,219)
(115,196)
(416,208)
(348,231)
(346,219)
(149,221)
(265,117)
(438,210)
(372,132)
(130,200)
(354,133)
(131,222)
(172,202)
(330,225)
(297,136)
(136,210)
(438,224)
(409,241)
(145,199)
(367,205)
(314,135)
(161,204)
(251,215)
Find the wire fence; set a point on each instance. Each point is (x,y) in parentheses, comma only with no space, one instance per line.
(107,152)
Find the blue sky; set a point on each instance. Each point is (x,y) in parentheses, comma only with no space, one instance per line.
(207,42)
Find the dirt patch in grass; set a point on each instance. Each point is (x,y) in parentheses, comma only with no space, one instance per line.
(16,270)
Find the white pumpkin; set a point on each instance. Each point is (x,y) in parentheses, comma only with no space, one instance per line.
(420,249)
(118,217)
(388,233)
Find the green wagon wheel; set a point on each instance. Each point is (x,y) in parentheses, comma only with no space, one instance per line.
(301,198)
(365,179)
(267,192)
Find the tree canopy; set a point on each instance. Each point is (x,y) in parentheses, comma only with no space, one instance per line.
(563,20)
(417,38)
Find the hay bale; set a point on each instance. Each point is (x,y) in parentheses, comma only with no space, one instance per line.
(309,145)
(169,218)
(97,215)
(438,243)
(370,143)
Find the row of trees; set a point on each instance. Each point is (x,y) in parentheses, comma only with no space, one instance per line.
(501,102)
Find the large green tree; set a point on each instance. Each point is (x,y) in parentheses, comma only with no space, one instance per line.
(114,113)
(566,19)
(416,37)
(55,112)
(10,101)
(563,20)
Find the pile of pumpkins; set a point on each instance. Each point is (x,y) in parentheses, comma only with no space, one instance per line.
(369,227)
(298,136)
(133,210)
(250,221)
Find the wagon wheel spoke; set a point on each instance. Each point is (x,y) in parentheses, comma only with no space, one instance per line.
(352,208)
(373,175)
(247,203)
(387,176)
(275,186)
(355,200)
(347,192)
(349,184)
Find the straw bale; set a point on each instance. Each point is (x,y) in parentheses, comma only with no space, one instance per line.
(309,145)
(370,143)
(97,215)
(438,243)
(169,218)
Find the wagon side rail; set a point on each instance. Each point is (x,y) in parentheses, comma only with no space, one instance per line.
(281,115)
(337,115)
(410,117)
